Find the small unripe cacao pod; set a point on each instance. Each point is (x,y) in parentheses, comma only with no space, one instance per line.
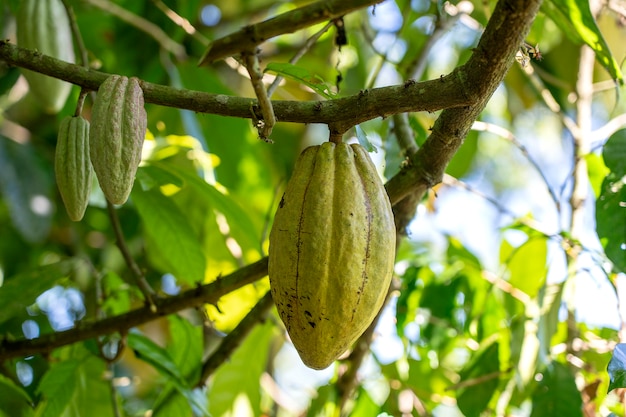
(72,167)
(118,129)
(332,251)
(43,25)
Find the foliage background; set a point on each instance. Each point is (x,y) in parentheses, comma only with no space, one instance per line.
(508,282)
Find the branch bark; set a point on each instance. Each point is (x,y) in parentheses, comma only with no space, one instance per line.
(249,37)
(342,113)
(203,294)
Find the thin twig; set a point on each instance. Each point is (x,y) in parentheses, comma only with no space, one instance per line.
(609,128)
(182,22)
(144,25)
(264,126)
(508,135)
(550,101)
(250,37)
(203,294)
(140,279)
(531,223)
(76,33)
(235,337)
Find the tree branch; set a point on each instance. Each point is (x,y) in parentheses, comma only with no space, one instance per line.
(200,295)
(248,38)
(344,112)
(470,85)
(480,77)
(233,339)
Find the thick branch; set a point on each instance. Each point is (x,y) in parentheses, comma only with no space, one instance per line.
(342,113)
(200,295)
(480,76)
(249,37)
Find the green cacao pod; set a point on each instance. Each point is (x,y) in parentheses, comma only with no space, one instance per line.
(72,167)
(118,129)
(43,25)
(332,251)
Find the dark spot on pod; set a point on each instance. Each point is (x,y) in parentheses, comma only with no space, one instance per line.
(312,324)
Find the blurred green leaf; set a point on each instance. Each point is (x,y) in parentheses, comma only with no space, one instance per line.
(614,153)
(301,75)
(26,187)
(20,291)
(365,406)
(617,367)
(14,401)
(58,386)
(597,171)
(170,232)
(611,220)
(364,140)
(481,377)
(556,393)
(576,21)
(408,299)
(241,227)
(148,351)
(527,264)
(241,374)
(73,386)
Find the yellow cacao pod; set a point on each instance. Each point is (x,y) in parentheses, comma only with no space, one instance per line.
(72,167)
(118,129)
(43,25)
(332,251)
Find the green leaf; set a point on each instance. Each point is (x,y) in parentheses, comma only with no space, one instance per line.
(185,350)
(241,375)
(148,351)
(556,394)
(241,227)
(365,406)
(617,367)
(614,153)
(301,75)
(481,375)
(364,140)
(408,300)
(611,220)
(576,21)
(58,386)
(14,401)
(185,346)
(26,187)
(22,290)
(597,171)
(527,265)
(170,232)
